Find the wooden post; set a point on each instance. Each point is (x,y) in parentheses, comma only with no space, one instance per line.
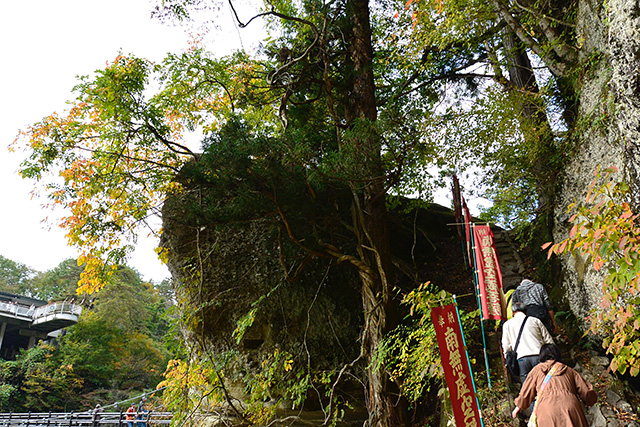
(120,419)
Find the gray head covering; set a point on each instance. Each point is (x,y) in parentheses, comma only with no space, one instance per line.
(518,306)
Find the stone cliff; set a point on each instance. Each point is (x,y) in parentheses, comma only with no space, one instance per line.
(607,131)
(252,290)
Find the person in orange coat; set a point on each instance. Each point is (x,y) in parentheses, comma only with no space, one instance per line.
(131,414)
(558,404)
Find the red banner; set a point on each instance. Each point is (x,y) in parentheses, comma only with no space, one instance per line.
(489,274)
(456,366)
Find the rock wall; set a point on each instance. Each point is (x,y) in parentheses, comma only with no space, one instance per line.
(224,271)
(624,47)
(608,127)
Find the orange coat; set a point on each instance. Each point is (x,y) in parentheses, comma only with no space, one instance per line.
(130,411)
(559,404)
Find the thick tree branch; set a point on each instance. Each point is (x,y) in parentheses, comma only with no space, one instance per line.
(562,49)
(557,67)
(272,12)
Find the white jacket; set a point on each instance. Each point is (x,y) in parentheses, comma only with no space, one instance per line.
(534,335)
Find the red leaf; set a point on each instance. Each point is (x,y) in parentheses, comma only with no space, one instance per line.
(611,169)
(623,242)
(597,265)
(574,231)
(562,246)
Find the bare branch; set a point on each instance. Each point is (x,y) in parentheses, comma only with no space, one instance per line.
(171,145)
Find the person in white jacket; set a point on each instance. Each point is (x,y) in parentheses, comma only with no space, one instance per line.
(534,335)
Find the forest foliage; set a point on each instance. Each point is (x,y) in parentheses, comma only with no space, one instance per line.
(381,99)
(606,234)
(454,92)
(116,350)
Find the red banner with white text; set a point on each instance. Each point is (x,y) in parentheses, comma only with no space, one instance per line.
(489,274)
(456,366)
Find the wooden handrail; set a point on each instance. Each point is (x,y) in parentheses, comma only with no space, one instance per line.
(82,419)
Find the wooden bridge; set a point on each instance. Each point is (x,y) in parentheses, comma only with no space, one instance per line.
(82,419)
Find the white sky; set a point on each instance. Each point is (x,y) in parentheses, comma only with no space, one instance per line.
(44,45)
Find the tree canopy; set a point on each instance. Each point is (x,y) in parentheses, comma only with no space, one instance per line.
(15,277)
(378,98)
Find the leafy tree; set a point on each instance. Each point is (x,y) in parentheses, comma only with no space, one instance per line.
(141,363)
(47,384)
(9,386)
(92,347)
(605,233)
(117,344)
(36,380)
(109,357)
(115,137)
(409,352)
(109,184)
(15,277)
(523,59)
(126,302)
(58,284)
(166,292)
(8,395)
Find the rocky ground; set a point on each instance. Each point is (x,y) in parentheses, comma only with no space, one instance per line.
(618,402)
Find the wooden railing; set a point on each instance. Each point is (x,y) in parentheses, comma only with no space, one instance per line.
(83,419)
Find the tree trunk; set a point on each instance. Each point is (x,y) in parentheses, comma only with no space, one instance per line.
(385,406)
(534,120)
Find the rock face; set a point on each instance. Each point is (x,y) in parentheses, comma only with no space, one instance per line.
(234,273)
(611,408)
(608,127)
(249,276)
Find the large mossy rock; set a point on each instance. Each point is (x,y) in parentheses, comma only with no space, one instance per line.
(230,272)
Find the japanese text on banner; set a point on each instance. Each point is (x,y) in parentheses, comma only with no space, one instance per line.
(456,366)
(489,274)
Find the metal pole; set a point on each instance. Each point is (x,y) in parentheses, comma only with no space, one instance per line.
(476,285)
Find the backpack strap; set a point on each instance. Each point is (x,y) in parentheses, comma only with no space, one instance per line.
(552,371)
(515,348)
